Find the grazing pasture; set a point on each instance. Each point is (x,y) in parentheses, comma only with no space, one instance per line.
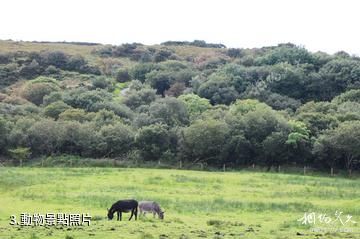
(197,204)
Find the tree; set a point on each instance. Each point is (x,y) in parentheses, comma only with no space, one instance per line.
(137,98)
(169,111)
(261,126)
(45,137)
(20,154)
(101,82)
(53,110)
(317,116)
(34,91)
(351,95)
(31,70)
(74,115)
(4,131)
(195,105)
(337,76)
(342,143)
(85,99)
(275,149)
(204,141)
(153,141)
(116,140)
(122,75)
(218,90)
(283,77)
(289,53)
(139,71)
(300,142)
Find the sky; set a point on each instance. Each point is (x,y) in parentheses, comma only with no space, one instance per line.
(318,25)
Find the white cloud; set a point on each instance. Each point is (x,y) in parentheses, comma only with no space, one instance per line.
(317,24)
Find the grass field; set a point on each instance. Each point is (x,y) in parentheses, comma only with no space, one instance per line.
(197,204)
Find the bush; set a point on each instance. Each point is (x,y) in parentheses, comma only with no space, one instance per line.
(122,75)
(55,109)
(101,82)
(34,91)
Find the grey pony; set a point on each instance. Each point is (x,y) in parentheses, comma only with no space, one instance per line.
(150,207)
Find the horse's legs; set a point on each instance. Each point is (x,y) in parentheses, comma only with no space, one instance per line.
(154,214)
(132,213)
(136,212)
(120,215)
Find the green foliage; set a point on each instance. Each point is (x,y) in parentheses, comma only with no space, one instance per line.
(81,98)
(116,140)
(137,98)
(351,95)
(101,82)
(341,144)
(169,111)
(138,72)
(53,110)
(205,141)
(188,101)
(4,131)
(75,115)
(286,53)
(34,91)
(218,90)
(122,75)
(20,154)
(299,132)
(153,141)
(195,105)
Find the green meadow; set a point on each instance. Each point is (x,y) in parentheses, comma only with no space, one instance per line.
(197,204)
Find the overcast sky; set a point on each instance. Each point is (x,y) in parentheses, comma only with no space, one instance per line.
(326,25)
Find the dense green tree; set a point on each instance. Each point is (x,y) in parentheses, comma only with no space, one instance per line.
(101,82)
(84,99)
(351,95)
(204,141)
(4,131)
(169,111)
(75,115)
(218,90)
(289,53)
(153,141)
(53,110)
(137,98)
(34,91)
(138,72)
(195,105)
(116,140)
(341,143)
(122,75)
(45,137)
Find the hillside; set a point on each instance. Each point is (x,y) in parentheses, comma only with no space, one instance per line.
(188,102)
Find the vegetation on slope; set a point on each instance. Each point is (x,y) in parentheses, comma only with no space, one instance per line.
(192,102)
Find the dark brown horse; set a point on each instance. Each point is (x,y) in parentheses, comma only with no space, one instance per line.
(123,206)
